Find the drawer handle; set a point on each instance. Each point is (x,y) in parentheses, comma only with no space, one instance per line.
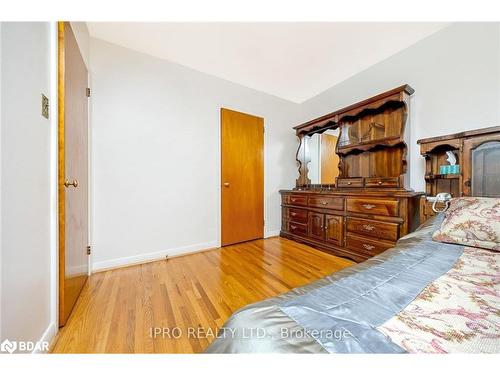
(293,214)
(368,206)
(294,200)
(293,227)
(380,182)
(368,227)
(368,247)
(349,183)
(324,203)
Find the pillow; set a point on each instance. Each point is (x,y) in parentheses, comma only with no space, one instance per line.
(471,221)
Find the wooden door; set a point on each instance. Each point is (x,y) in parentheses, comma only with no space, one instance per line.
(329,159)
(242,175)
(334,228)
(73,171)
(481,168)
(315,226)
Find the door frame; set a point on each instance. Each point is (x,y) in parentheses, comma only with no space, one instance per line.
(61,200)
(265,233)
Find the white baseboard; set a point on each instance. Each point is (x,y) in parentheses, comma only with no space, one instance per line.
(148,257)
(47,336)
(77,270)
(272,233)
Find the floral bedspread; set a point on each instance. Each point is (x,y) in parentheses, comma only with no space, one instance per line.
(457,313)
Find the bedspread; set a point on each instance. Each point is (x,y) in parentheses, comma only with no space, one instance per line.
(458,312)
(383,305)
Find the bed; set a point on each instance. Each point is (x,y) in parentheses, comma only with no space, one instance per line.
(422,296)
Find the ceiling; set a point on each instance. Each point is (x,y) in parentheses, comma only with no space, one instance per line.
(294,61)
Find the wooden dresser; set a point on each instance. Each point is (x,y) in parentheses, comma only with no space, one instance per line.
(369,207)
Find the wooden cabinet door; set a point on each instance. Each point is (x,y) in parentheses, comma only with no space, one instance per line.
(481,169)
(315,226)
(334,229)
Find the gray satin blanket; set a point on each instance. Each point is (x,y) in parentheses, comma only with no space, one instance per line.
(340,313)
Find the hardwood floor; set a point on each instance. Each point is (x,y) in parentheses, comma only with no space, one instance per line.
(119,310)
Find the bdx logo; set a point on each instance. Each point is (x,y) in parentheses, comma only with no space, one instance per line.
(8,346)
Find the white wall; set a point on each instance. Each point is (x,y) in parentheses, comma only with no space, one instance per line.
(156,134)
(456,77)
(26,218)
(82,37)
(1,24)
(156,156)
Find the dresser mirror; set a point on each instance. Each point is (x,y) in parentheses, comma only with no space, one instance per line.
(317,152)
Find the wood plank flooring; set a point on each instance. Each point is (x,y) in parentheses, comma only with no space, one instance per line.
(174,306)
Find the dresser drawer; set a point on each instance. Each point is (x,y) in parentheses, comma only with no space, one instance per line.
(367,246)
(298,229)
(295,199)
(325,201)
(384,207)
(377,229)
(350,182)
(296,215)
(387,182)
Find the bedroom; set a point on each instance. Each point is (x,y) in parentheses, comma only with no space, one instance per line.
(249,187)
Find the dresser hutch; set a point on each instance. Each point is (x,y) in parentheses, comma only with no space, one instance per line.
(369,205)
(477,154)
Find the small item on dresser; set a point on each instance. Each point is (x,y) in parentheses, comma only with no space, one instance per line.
(471,221)
(452,159)
(449,168)
(440,198)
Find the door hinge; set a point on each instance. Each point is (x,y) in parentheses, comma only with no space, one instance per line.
(88,250)
(88,92)
(45,106)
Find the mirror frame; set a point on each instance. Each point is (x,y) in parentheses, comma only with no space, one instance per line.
(303,182)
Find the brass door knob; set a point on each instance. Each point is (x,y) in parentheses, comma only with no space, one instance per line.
(226,184)
(68,184)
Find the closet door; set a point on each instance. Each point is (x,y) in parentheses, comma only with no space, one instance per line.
(73,172)
(242,173)
(329,159)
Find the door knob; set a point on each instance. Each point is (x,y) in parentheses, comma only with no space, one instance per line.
(226,184)
(68,184)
